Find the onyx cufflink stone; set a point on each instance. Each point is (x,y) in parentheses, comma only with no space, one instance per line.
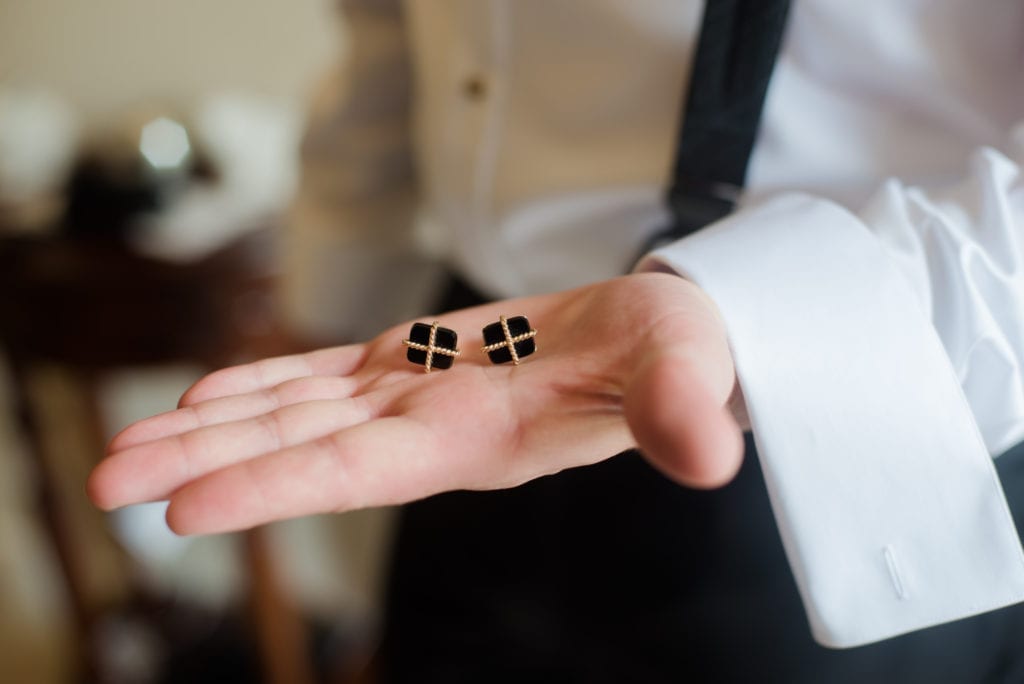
(510,339)
(431,346)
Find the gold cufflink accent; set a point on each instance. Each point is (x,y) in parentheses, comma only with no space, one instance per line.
(509,339)
(431,346)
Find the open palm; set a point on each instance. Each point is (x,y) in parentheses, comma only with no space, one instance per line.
(636,361)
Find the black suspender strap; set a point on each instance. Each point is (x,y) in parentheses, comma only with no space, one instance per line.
(739,41)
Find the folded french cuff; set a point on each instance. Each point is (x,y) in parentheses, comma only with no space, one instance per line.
(889,507)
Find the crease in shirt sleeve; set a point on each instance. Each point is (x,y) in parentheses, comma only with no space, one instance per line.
(960,248)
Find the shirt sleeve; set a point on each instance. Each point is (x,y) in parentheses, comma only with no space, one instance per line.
(879,355)
(351,227)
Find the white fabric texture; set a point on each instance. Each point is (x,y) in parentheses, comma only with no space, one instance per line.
(962,250)
(877,473)
(541,134)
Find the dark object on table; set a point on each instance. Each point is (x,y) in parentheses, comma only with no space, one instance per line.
(121,178)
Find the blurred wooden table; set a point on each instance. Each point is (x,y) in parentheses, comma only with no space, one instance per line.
(90,307)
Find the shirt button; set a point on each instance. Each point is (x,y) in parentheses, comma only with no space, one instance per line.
(474,87)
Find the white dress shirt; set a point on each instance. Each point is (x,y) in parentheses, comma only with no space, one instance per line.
(872,284)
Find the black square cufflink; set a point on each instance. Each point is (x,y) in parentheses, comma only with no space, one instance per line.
(510,339)
(431,346)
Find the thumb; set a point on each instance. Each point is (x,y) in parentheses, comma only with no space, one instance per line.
(675,404)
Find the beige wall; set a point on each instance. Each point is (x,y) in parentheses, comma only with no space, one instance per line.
(106,55)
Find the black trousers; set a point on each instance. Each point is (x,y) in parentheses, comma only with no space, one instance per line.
(612,573)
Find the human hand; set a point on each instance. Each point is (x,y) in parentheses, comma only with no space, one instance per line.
(641,360)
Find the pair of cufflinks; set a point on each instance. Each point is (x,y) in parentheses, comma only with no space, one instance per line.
(431,346)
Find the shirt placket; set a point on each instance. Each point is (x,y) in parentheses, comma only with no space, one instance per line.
(477,76)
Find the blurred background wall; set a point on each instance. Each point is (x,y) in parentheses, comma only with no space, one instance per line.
(101,63)
(104,56)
